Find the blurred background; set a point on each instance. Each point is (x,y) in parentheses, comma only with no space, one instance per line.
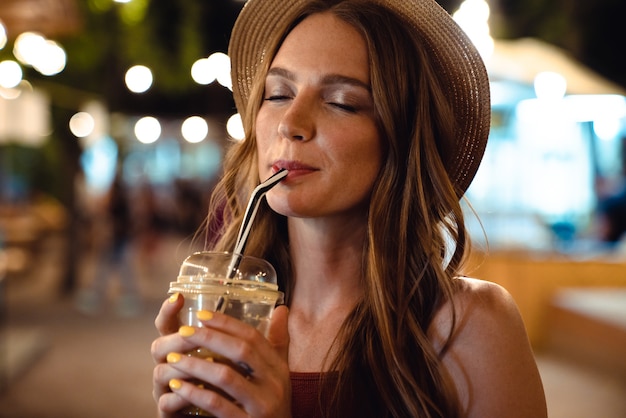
(114,116)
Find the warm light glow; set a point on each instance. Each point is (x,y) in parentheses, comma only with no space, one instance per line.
(220,63)
(473,18)
(216,67)
(138,78)
(51,60)
(28,46)
(147,130)
(3,35)
(101,123)
(44,55)
(82,124)
(194,129)
(234,127)
(15,92)
(202,72)
(10,74)
(10,94)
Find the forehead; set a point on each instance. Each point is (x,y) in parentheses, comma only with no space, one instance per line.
(326,44)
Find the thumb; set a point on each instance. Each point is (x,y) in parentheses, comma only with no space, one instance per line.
(278,334)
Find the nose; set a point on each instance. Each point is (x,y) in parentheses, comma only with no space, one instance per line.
(298,120)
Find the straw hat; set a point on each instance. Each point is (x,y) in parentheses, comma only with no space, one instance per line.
(455,58)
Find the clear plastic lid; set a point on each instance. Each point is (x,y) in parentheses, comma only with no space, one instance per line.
(203,271)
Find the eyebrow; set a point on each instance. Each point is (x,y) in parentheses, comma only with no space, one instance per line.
(326,80)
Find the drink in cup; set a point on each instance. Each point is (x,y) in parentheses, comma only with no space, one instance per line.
(243,287)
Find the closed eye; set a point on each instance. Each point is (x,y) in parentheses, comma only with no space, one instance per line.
(276,98)
(342,106)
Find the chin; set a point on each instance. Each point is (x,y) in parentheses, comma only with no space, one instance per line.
(277,205)
(284,208)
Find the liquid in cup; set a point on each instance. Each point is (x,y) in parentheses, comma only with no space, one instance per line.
(249,293)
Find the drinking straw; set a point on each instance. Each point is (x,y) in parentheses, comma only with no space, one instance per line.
(251,210)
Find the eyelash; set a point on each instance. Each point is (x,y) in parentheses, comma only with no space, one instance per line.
(276,97)
(345,107)
(342,106)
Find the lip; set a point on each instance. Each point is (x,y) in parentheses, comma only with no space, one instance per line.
(295,168)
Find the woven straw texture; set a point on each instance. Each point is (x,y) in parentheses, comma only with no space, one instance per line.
(455,58)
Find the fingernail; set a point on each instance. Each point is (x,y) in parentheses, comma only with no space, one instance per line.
(204,315)
(173,357)
(175,384)
(174,297)
(186,331)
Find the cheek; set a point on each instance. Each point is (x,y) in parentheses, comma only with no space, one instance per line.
(261,130)
(263,139)
(372,157)
(365,156)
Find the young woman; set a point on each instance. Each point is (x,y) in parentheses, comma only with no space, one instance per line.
(380,112)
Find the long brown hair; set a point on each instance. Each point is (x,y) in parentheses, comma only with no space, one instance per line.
(416,238)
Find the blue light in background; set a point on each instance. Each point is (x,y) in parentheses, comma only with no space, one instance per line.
(99,161)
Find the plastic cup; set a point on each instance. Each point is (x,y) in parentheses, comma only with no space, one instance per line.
(249,293)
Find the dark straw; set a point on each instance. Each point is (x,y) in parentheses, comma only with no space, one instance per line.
(251,210)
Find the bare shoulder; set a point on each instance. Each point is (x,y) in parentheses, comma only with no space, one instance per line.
(488,355)
(479,307)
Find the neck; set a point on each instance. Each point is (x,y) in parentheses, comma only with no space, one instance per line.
(327,262)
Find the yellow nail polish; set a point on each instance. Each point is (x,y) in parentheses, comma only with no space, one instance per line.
(175,384)
(174,297)
(204,315)
(173,357)
(186,331)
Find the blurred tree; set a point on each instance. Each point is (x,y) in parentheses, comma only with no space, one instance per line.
(166,36)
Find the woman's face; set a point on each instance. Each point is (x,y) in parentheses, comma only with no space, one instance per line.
(317,120)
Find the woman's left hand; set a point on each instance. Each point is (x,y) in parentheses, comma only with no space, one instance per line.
(259,385)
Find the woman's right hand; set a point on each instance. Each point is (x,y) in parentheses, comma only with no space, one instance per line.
(167,324)
(266,394)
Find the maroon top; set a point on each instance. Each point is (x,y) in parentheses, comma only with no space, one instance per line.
(306,397)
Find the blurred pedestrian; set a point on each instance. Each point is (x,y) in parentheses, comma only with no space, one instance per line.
(611,209)
(115,257)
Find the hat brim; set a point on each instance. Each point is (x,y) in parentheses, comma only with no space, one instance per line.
(455,58)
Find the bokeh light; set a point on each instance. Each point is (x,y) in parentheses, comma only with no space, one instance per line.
(138,78)
(215,67)
(10,94)
(234,127)
(28,46)
(550,85)
(607,128)
(44,55)
(3,35)
(221,62)
(51,59)
(473,17)
(15,92)
(147,130)
(202,72)
(10,74)
(194,129)
(82,124)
